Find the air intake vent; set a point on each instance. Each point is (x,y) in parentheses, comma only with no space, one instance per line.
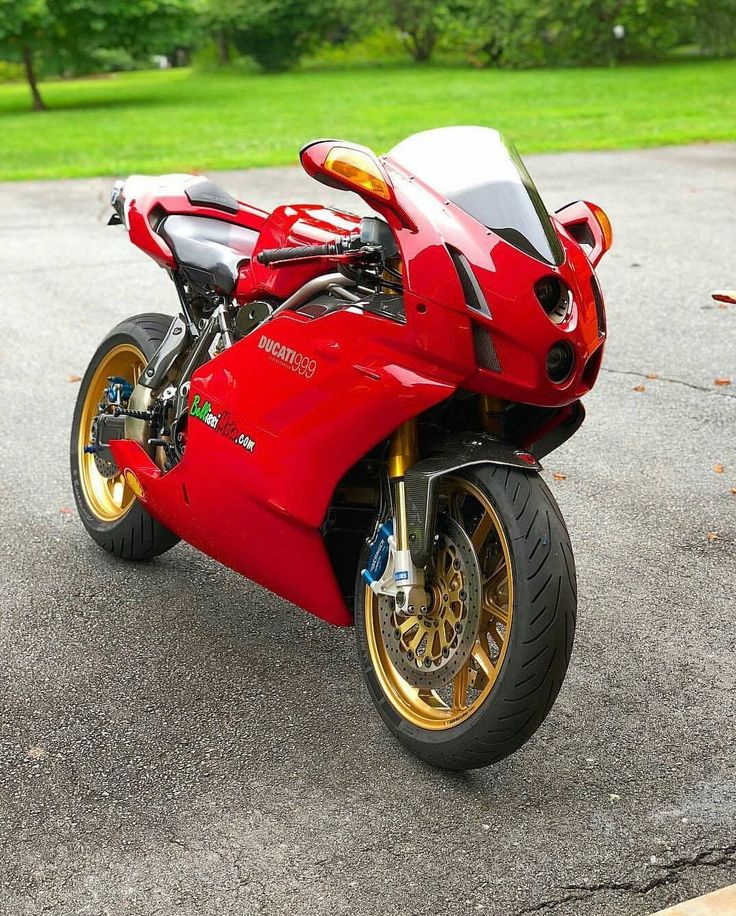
(474,297)
(600,308)
(485,352)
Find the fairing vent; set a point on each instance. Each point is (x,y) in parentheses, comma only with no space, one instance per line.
(485,353)
(474,297)
(600,308)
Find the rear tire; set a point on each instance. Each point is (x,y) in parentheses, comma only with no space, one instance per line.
(118,523)
(504,709)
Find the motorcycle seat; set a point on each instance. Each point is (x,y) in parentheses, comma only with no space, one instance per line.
(213,247)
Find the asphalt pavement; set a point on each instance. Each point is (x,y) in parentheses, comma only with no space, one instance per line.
(176,740)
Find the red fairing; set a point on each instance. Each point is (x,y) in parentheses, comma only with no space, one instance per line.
(258,509)
(292,226)
(296,403)
(157,200)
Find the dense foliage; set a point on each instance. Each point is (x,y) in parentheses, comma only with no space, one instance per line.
(71,37)
(63,35)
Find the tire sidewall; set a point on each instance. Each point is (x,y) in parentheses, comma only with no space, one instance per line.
(129,332)
(444,746)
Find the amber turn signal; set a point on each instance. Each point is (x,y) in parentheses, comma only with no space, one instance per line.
(601,217)
(358,169)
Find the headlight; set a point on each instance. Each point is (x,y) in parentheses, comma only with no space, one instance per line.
(554,297)
(560,361)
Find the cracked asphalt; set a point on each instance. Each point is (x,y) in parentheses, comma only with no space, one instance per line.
(175,740)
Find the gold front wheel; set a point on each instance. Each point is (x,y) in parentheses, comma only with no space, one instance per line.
(475,605)
(468,680)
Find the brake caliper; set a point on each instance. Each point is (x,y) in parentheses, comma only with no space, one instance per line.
(379,551)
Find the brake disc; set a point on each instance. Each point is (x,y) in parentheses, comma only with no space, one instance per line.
(429,647)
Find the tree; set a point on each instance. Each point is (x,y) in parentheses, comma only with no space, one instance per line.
(67,31)
(275,33)
(713,26)
(421,23)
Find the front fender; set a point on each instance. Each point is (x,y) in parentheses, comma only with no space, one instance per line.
(422,480)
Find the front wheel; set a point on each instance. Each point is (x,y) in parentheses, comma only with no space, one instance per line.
(469,681)
(107,505)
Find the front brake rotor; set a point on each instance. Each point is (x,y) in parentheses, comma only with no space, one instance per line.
(429,647)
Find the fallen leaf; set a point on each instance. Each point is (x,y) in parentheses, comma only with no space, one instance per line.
(718,468)
(65,510)
(638,388)
(74,378)
(712,536)
(652,375)
(722,380)
(558,476)
(733,490)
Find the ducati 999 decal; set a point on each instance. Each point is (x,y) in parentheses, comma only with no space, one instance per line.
(293,360)
(220,422)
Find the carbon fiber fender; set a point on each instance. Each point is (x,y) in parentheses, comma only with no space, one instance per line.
(422,480)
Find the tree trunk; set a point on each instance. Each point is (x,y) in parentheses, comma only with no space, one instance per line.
(422,44)
(38,102)
(223,47)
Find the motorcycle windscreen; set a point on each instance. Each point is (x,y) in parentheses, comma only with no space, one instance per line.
(476,169)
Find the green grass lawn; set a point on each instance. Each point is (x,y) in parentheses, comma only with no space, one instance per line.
(181,120)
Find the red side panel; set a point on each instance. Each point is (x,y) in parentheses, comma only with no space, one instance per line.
(275,422)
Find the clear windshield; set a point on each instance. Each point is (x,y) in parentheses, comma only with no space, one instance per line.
(483,175)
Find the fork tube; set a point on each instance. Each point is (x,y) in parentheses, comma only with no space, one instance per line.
(492,414)
(403,453)
(403,450)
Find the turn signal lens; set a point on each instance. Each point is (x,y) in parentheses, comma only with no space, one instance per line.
(358,169)
(601,217)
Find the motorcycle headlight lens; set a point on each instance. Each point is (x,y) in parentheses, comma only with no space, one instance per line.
(560,361)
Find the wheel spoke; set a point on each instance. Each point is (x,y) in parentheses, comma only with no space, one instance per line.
(460,688)
(499,576)
(483,660)
(482,530)
(496,611)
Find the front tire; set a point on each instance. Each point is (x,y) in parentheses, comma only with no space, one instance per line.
(525,628)
(108,508)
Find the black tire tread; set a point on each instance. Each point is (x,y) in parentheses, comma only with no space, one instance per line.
(541,636)
(136,536)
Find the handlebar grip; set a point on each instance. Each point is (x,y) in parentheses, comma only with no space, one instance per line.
(271,255)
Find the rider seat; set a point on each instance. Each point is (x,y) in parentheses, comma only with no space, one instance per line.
(210,250)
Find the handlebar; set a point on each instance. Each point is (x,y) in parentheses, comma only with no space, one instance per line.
(272,255)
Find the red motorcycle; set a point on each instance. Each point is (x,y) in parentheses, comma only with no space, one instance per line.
(351,411)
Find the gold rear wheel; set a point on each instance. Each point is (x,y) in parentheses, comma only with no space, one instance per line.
(108,498)
(438,631)
(108,508)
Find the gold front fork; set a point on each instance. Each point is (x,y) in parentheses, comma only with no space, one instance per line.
(409,579)
(403,453)
(491,414)
(404,449)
